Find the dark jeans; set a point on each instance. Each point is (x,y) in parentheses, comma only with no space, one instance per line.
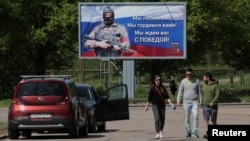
(159,116)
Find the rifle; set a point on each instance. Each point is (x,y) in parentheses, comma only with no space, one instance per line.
(86,37)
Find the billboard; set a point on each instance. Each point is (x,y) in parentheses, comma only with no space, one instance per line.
(132,30)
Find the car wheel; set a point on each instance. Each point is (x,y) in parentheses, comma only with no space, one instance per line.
(26,133)
(102,127)
(13,134)
(74,131)
(92,128)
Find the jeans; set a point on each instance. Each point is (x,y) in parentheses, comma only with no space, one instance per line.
(159,116)
(188,108)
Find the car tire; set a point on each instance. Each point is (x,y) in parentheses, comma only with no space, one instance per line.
(85,130)
(102,127)
(13,134)
(74,131)
(92,128)
(26,133)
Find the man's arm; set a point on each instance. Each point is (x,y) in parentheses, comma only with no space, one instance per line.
(217,94)
(91,42)
(200,94)
(180,93)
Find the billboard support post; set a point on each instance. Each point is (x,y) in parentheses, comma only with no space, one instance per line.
(129,76)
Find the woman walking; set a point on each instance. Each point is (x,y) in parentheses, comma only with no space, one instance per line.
(157,96)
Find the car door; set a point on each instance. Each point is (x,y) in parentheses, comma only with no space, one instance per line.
(114,103)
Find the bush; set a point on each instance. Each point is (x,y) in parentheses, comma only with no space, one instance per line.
(142,91)
(227,94)
(233,94)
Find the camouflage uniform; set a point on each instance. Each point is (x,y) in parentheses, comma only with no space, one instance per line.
(116,33)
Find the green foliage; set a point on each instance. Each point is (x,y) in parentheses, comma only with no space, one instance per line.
(5,102)
(99,88)
(142,91)
(233,95)
(50,35)
(37,36)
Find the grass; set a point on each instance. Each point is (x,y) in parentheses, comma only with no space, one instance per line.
(5,102)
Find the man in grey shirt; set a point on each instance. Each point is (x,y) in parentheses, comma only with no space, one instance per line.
(190,92)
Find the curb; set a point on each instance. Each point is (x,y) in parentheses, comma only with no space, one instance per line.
(3,137)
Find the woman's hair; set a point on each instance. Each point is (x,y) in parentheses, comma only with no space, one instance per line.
(154,77)
(162,88)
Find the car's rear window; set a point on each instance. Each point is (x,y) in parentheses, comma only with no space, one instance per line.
(41,88)
(86,92)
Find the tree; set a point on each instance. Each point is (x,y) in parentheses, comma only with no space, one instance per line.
(50,33)
(235,38)
(38,35)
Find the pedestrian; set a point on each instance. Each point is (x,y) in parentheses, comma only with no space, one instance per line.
(190,92)
(108,38)
(157,96)
(173,86)
(211,93)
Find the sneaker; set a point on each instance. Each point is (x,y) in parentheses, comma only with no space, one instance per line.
(157,136)
(195,135)
(161,135)
(188,135)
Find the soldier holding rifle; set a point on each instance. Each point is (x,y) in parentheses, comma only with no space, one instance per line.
(108,38)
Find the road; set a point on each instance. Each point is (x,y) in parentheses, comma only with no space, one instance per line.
(140,127)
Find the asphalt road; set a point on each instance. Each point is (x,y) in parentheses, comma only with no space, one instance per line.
(140,127)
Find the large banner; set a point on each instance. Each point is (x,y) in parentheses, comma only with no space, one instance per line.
(132,30)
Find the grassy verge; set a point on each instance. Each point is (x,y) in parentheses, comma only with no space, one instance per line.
(5,102)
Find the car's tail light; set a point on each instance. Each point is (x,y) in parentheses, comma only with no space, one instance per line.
(16,101)
(65,101)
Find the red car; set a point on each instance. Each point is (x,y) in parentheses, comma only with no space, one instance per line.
(44,103)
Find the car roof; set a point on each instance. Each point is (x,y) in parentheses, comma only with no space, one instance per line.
(83,85)
(45,77)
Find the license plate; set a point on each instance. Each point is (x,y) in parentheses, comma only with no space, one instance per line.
(40,116)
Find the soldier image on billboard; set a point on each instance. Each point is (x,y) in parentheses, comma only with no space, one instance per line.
(109,38)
